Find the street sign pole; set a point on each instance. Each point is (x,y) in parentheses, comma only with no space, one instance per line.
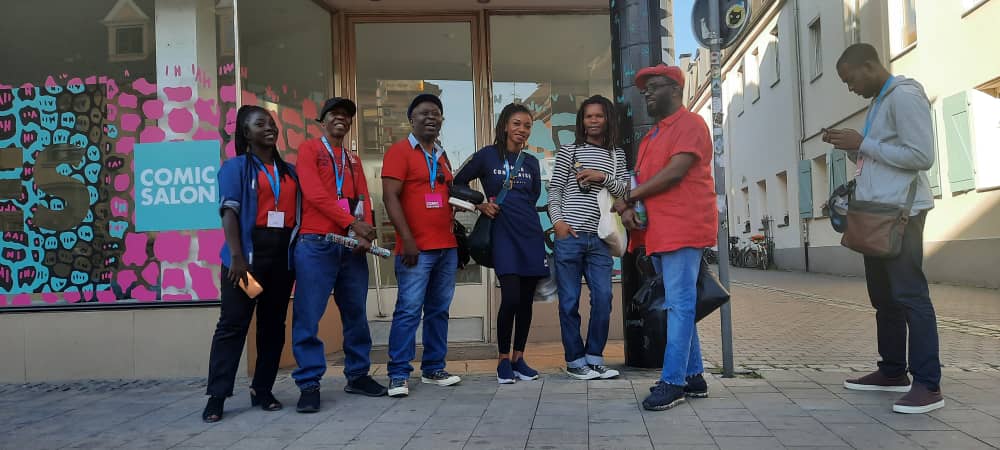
(715,57)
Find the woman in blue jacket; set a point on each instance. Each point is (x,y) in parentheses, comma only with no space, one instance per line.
(518,240)
(261,206)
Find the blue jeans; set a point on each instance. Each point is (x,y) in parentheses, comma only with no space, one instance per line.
(324,267)
(898,290)
(682,355)
(586,255)
(427,287)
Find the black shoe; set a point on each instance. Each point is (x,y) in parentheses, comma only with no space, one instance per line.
(696,386)
(213,410)
(308,401)
(266,401)
(663,397)
(365,385)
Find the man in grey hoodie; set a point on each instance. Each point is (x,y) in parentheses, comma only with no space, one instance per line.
(896,147)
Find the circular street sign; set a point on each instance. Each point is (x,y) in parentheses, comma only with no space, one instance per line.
(733,21)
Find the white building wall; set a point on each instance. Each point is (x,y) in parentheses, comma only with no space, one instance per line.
(765,137)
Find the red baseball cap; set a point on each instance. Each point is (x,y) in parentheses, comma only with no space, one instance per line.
(672,72)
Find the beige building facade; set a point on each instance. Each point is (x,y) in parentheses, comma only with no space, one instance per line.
(781,88)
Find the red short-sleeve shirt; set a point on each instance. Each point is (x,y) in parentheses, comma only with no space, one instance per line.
(684,215)
(431,227)
(265,198)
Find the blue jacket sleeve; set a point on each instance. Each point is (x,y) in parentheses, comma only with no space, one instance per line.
(231,185)
(470,171)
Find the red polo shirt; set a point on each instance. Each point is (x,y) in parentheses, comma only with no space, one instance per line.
(321,213)
(684,215)
(265,197)
(431,227)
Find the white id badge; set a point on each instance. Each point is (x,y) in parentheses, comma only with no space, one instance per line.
(275,219)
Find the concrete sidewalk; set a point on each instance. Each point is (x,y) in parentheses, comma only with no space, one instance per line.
(784,409)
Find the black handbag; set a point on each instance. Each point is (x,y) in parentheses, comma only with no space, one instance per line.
(711,293)
(462,239)
(481,237)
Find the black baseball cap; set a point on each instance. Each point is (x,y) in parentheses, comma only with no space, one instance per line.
(424,98)
(334,102)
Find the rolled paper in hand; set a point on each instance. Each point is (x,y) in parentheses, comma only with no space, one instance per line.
(352,243)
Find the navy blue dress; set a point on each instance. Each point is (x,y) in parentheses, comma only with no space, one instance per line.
(518,240)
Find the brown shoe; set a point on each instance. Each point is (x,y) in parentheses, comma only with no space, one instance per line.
(877,381)
(919,400)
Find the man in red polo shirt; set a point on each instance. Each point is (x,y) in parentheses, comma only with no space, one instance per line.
(333,184)
(415,179)
(673,169)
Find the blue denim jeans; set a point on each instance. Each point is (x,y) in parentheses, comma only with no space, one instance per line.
(682,355)
(586,255)
(427,287)
(324,267)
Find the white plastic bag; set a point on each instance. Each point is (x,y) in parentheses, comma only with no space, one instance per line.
(610,228)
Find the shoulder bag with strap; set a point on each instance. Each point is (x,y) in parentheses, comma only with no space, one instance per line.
(876,229)
(481,239)
(610,228)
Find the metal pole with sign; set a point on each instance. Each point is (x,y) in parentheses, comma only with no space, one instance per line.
(717,24)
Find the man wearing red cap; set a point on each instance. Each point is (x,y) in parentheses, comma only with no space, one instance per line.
(673,169)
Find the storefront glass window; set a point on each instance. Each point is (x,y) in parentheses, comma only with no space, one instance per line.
(109,129)
(567,60)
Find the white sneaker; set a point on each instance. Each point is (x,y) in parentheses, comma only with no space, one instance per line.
(605,372)
(582,373)
(440,378)
(398,388)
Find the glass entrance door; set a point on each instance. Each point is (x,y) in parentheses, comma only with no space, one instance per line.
(393,60)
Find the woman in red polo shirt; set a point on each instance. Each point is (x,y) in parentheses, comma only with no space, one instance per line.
(260,215)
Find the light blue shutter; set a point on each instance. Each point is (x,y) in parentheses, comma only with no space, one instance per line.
(805,189)
(837,168)
(958,138)
(934,174)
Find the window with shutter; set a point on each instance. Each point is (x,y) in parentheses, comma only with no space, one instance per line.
(805,189)
(836,168)
(934,174)
(958,139)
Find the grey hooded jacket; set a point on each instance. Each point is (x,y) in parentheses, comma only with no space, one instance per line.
(899,146)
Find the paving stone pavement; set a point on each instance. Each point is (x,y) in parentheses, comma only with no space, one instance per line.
(802,333)
(792,320)
(786,409)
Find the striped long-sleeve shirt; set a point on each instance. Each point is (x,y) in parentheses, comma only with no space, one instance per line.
(566,202)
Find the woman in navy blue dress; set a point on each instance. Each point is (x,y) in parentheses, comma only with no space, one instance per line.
(518,240)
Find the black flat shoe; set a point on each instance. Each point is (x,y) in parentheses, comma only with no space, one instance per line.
(266,401)
(213,410)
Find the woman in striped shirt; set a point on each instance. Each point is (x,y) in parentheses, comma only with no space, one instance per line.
(582,170)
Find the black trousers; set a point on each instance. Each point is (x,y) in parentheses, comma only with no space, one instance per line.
(517,295)
(270,268)
(898,291)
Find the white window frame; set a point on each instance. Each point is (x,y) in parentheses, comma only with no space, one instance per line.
(775,46)
(755,74)
(815,48)
(902,22)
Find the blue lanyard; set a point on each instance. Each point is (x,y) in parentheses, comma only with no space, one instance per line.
(338,175)
(506,180)
(274,182)
(432,166)
(878,102)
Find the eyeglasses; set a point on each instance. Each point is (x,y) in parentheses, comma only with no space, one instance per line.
(652,87)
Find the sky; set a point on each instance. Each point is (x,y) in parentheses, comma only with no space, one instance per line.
(683,38)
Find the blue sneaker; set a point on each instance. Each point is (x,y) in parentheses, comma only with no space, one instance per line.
(664,396)
(505,374)
(524,372)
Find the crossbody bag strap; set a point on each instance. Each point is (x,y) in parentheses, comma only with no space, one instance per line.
(517,169)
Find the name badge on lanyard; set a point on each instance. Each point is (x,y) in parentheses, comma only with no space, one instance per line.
(433,200)
(338,175)
(275,218)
